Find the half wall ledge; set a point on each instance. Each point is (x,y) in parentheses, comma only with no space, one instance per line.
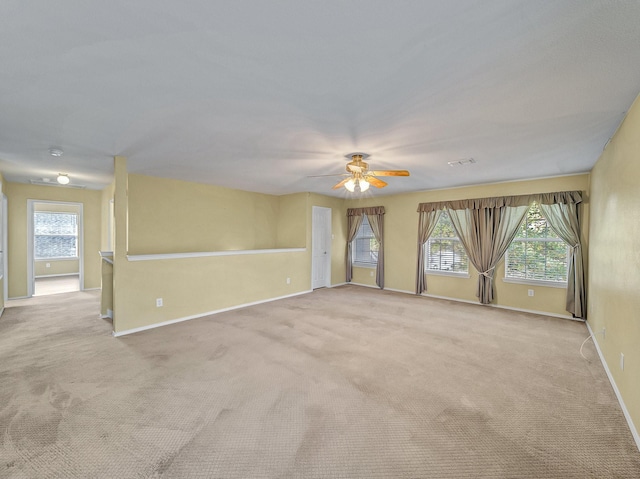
(202,254)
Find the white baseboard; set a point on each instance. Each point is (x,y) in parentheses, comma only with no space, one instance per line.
(208,313)
(55,275)
(91,289)
(18,297)
(109,315)
(532,311)
(338,284)
(625,411)
(1,311)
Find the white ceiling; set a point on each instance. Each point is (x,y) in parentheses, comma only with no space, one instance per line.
(258,95)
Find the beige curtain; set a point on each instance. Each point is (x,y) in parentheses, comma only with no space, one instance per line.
(565,221)
(354,220)
(426,224)
(376,221)
(486,233)
(353,224)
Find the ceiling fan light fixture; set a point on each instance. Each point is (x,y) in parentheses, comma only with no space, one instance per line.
(63,179)
(364,185)
(350,185)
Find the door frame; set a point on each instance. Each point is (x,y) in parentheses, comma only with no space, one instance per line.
(5,242)
(31,241)
(327,212)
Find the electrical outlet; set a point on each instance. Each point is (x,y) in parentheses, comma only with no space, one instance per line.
(621,362)
(288,280)
(158,302)
(530,292)
(48,265)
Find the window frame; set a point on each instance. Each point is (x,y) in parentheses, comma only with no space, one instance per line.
(354,261)
(439,272)
(76,236)
(533,281)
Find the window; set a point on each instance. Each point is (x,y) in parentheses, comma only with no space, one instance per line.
(365,245)
(537,253)
(445,252)
(55,235)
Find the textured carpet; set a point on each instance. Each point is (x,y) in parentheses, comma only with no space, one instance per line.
(342,383)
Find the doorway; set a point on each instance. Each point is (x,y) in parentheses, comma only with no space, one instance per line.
(54,247)
(321,247)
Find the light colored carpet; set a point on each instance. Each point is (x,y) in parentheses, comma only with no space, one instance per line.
(342,383)
(56,285)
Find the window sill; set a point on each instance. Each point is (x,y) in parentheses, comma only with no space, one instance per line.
(431,272)
(58,259)
(533,282)
(365,265)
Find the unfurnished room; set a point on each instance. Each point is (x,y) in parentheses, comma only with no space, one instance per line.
(339,239)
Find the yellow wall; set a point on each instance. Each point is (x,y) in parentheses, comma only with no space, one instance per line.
(167,216)
(106,228)
(155,215)
(17,196)
(56,267)
(401,233)
(614,279)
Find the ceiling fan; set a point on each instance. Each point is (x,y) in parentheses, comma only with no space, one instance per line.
(359,175)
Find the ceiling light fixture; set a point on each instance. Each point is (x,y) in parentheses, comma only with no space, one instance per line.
(63,179)
(364,185)
(463,162)
(57,152)
(350,185)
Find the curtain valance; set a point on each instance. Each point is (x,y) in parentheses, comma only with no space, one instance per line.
(560,197)
(369,210)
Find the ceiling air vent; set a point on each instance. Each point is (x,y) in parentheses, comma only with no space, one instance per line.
(43,182)
(463,162)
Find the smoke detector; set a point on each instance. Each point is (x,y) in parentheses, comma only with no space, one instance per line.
(55,151)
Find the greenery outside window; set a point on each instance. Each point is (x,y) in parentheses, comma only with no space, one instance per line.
(537,254)
(55,235)
(444,251)
(365,246)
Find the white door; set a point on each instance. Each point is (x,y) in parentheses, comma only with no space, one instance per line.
(321,247)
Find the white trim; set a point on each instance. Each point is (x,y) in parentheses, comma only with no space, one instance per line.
(451,274)
(30,241)
(1,311)
(69,258)
(337,284)
(536,282)
(200,315)
(56,275)
(521,310)
(374,286)
(202,254)
(365,265)
(109,315)
(18,297)
(5,247)
(91,289)
(625,411)
(105,253)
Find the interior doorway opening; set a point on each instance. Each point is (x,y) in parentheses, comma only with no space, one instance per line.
(55,260)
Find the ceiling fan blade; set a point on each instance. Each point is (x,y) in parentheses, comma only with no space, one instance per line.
(323,176)
(376,182)
(389,173)
(341,184)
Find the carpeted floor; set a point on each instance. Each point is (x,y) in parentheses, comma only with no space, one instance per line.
(342,383)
